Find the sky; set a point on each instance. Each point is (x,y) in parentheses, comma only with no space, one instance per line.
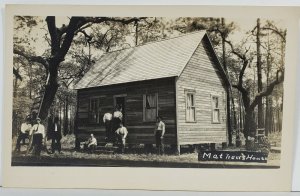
(243,25)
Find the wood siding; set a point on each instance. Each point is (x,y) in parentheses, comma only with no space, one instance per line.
(200,76)
(139,131)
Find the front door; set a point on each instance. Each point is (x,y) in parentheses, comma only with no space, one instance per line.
(119,102)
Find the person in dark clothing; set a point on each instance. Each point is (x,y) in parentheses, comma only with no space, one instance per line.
(55,135)
(121,137)
(159,133)
(116,121)
(107,118)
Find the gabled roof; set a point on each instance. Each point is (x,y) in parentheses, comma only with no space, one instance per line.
(160,59)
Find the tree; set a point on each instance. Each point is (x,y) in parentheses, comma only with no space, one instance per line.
(250,124)
(60,41)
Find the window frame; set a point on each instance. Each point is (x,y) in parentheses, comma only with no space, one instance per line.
(193,93)
(144,106)
(213,108)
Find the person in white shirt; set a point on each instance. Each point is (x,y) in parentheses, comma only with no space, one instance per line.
(159,133)
(38,135)
(107,117)
(91,144)
(24,133)
(121,135)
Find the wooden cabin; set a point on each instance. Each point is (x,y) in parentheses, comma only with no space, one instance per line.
(179,79)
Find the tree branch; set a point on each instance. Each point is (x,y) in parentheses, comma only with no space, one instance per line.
(245,94)
(53,34)
(17,74)
(269,89)
(243,57)
(108,19)
(282,35)
(37,59)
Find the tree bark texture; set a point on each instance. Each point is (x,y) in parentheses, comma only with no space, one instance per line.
(260,116)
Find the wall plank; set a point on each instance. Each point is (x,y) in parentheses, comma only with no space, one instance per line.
(201,75)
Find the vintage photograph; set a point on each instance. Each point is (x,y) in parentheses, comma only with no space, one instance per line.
(171,92)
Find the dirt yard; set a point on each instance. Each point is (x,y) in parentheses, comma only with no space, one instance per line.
(135,158)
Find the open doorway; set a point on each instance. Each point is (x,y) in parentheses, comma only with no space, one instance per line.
(119,102)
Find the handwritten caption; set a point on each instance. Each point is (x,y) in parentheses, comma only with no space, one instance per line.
(235,156)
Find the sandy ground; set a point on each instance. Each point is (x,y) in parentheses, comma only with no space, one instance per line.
(70,157)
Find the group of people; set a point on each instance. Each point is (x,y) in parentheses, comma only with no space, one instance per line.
(34,130)
(116,133)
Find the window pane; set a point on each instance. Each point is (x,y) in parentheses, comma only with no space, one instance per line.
(189,100)
(193,114)
(150,101)
(94,111)
(188,114)
(150,114)
(192,99)
(216,115)
(190,107)
(150,110)
(215,102)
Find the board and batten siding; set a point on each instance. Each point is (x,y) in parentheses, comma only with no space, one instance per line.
(139,130)
(200,76)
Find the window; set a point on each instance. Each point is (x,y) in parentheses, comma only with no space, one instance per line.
(215,110)
(94,110)
(190,107)
(150,107)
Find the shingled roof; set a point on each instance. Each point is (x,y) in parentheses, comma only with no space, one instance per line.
(160,59)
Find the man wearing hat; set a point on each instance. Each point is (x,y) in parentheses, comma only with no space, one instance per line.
(38,131)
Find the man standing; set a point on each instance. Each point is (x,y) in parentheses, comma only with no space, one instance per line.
(107,122)
(159,133)
(55,135)
(24,133)
(121,136)
(38,135)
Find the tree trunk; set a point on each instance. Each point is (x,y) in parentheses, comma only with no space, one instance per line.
(229,124)
(260,117)
(66,116)
(30,80)
(50,91)
(136,32)
(228,91)
(15,85)
(250,125)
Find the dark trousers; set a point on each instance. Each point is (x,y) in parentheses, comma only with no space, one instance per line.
(21,137)
(115,125)
(90,148)
(108,131)
(121,143)
(37,143)
(159,142)
(55,145)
